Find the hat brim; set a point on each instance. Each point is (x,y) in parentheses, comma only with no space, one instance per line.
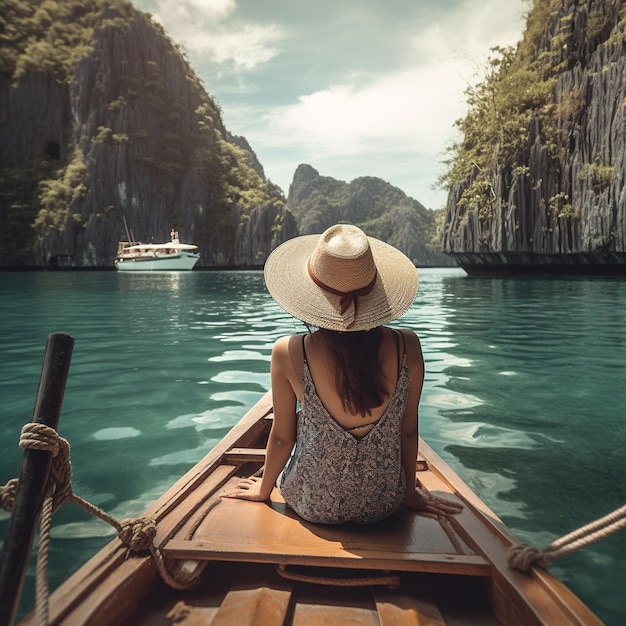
(288,281)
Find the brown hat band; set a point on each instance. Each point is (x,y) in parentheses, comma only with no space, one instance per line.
(347,297)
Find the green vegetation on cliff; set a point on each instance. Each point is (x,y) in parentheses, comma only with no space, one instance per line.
(536,177)
(517,88)
(50,36)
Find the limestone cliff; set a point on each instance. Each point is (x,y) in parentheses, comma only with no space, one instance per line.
(380,209)
(104,123)
(537,180)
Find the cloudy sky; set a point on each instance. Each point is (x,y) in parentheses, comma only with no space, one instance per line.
(351,87)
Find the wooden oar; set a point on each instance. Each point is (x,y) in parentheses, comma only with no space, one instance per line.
(33,477)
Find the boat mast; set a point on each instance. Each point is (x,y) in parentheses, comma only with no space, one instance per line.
(129,234)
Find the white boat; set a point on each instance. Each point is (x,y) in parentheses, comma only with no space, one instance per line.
(156,257)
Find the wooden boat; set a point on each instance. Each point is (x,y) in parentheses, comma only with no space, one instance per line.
(258,563)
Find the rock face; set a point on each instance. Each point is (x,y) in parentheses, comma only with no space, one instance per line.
(558,204)
(125,141)
(380,209)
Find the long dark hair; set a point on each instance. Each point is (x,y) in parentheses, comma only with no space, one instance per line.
(359,376)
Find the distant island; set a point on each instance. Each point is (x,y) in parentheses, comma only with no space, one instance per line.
(380,209)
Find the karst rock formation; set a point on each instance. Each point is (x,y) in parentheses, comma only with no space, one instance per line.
(542,175)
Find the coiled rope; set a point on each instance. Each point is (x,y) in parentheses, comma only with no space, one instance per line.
(137,534)
(522,556)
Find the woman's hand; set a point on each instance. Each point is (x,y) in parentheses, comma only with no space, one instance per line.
(247,489)
(422,501)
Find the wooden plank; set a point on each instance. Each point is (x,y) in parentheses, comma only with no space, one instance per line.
(114,597)
(278,552)
(241,455)
(242,521)
(197,502)
(557,589)
(399,609)
(248,607)
(316,614)
(78,586)
(183,614)
(323,604)
(403,531)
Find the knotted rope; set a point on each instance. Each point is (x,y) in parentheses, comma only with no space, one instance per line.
(7,494)
(136,534)
(522,557)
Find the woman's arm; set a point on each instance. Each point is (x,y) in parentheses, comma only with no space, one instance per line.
(283,433)
(414,496)
(410,419)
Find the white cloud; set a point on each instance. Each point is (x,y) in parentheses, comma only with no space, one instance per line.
(210,8)
(203,27)
(247,47)
(205,10)
(393,113)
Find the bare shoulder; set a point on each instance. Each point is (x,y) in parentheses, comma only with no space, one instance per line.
(413,346)
(284,349)
(281,345)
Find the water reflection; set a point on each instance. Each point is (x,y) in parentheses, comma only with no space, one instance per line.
(542,353)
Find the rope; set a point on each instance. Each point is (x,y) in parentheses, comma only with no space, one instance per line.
(391,581)
(7,494)
(522,557)
(40,437)
(137,534)
(42,591)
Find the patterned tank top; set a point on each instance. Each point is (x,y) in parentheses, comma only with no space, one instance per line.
(334,477)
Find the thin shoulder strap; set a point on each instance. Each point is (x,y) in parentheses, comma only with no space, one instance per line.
(398,333)
(304,349)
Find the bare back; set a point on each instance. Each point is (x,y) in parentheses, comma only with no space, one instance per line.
(322,369)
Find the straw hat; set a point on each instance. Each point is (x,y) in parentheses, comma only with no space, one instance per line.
(341,280)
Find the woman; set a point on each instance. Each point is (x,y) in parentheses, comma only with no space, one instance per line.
(350,453)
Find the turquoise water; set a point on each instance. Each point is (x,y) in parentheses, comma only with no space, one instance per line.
(524,394)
